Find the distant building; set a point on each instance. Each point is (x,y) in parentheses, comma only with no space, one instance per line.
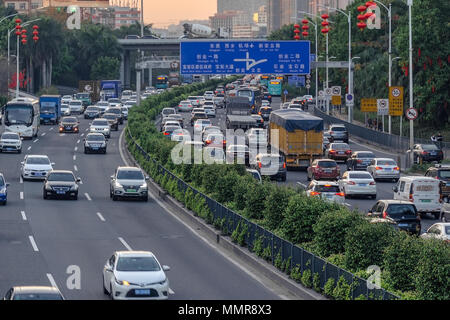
(24,6)
(247,6)
(125,16)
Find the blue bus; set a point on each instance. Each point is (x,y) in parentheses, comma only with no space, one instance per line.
(274,87)
(254,96)
(162,82)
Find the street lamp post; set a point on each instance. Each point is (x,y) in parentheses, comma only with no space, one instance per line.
(411,100)
(350,89)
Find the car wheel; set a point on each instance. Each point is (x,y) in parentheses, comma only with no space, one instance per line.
(19,151)
(437,215)
(85,151)
(45,196)
(75,197)
(115,198)
(443,219)
(374,196)
(145,198)
(104,288)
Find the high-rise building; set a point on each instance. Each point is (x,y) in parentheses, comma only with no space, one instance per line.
(249,7)
(23,6)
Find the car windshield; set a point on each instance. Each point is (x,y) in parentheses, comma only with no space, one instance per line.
(327,188)
(70,120)
(444,174)
(360,175)
(447,230)
(130,175)
(92,109)
(386,163)
(401,210)
(340,146)
(2,181)
(365,155)
(100,123)
(338,129)
(37,160)
(10,136)
(38,296)
(61,176)
(294,106)
(171,128)
(109,116)
(95,137)
(269,160)
(429,147)
(75,103)
(137,264)
(327,164)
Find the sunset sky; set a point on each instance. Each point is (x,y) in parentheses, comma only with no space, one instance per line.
(164,12)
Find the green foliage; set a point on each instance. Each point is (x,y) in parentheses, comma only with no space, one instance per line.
(343,290)
(316,282)
(105,68)
(306,278)
(275,205)
(258,246)
(267,253)
(296,273)
(278,262)
(328,288)
(331,229)
(365,244)
(49,90)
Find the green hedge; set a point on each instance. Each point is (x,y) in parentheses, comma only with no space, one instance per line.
(411,267)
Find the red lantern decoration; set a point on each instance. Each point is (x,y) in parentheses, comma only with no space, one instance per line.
(297,37)
(325,23)
(325,30)
(325,16)
(24,41)
(361,25)
(35,38)
(305,21)
(296,31)
(305,27)
(35,27)
(35,32)
(305,33)
(18,33)
(18,21)
(24,31)
(361,9)
(368,15)
(361,17)
(370,4)
(18,27)
(24,36)
(296,26)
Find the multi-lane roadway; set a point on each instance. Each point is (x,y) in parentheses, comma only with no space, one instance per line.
(46,242)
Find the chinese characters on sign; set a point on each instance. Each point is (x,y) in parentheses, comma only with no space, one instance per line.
(369,105)
(244,57)
(395,101)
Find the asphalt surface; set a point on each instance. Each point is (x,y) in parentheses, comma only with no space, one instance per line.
(299,178)
(42,240)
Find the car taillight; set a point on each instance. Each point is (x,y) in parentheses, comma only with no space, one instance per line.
(208,141)
(396,168)
(351,183)
(259,165)
(331,132)
(385,215)
(373,183)
(314,193)
(378,168)
(259,113)
(348,151)
(359,161)
(284,165)
(332,151)
(341,194)
(411,198)
(424,152)
(166,133)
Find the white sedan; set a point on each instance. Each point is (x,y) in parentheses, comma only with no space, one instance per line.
(35,167)
(10,141)
(135,275)
(326,190)
(438,231)
(358,183)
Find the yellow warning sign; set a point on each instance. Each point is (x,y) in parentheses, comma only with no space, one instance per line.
(395,101)
(369,105)
(336,100)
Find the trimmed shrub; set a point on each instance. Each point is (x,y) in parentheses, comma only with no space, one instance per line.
(343,290)
(328,288)
(275,204)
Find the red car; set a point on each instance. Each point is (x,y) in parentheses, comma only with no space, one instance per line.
(339,151)
(323,169)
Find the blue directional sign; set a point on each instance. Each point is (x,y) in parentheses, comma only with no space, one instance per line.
(244,57)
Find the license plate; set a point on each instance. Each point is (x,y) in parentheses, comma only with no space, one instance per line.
(447,184)
(362,184)
(68,128)
(60,192)
(340,152)
(131,190)
(403,225)
(387,169)
(433,153)
(142,292)
(425,200)
(327,171)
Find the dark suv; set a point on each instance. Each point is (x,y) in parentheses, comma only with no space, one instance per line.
(401,215)
(360,160)
(271,165)
(338,132)
(118,112)
(426,153)
(442,173)
(323,169)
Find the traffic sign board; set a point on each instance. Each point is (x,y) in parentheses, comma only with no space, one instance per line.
(411,114)
(321,93)
(328,92)
(336,100)
(244,57)
(368,105)
(382,107)
(336,90)
(395,101)
(308,86)
(285,92)
(349,101)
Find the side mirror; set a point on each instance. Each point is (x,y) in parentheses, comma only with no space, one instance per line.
(21,138)
(52,163)
(78,179)
(22,163)
(7,185)
(147,178)
(112,177)
(395,189)
(166,268)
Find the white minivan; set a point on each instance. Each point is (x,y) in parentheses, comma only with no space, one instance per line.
(422,191)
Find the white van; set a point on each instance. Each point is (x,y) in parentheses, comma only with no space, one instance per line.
(422,191)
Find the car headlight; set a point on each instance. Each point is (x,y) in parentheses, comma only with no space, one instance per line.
(3,190)
(118,185)
(122,282)
(73,188)
(144,186)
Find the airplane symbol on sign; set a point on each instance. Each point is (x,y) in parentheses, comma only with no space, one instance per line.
(250,63)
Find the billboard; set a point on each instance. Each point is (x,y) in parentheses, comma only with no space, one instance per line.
(245,57)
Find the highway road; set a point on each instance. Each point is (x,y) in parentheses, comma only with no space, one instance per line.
(41,239)
(299,178)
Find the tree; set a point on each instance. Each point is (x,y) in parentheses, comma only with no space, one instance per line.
(105,68)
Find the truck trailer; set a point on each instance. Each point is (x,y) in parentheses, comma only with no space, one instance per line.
(300,136)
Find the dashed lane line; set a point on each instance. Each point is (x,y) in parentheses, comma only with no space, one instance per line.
(21,195)
(87,196)
(36,140)
(100,217)
(33,243)
(126,245)
(43,134)
(24,217)
(75,168)
(29,148)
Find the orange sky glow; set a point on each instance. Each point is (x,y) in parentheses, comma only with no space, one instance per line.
(165,12)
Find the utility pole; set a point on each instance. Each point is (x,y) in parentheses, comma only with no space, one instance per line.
(411,97)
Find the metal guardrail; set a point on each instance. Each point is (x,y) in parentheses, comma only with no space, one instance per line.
(291,255)
(400,144)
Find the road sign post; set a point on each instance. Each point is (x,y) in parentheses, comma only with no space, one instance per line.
(396,103)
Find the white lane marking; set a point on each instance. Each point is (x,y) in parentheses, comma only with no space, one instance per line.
(63,134)
(21,195)
(87,129)
(78,141)
(33,243)
(74,158)
(29,148)
(52,281)
(206,241)
(76,148)
(125,244)
(100,217)
(51,129)
(303,185)
(21,179)
(87,196)
(43,134)
(24,217)
(81,182)
(82,134)
(75,168)
(347,204)
(36,140)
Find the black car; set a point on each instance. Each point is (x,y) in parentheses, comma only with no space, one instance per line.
(61,184)
(92,112)
(427,153)
(264,112)
(118,112)
(69,124)
(95,142)
(267,96)
(441,172)
(360,160)
(401,215)
(112,120)
(259,120)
